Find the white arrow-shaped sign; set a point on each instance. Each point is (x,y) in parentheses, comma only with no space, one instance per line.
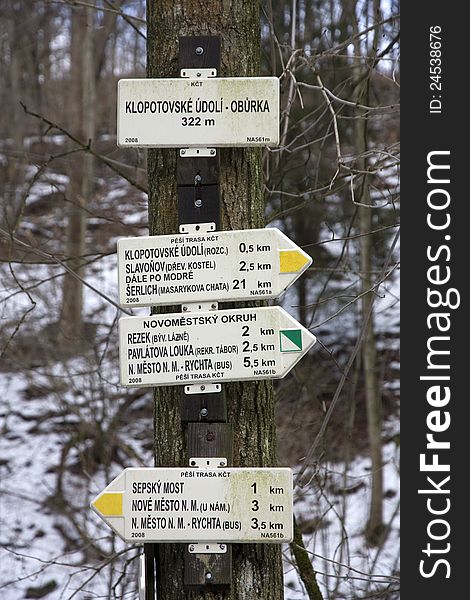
(199,505)
(225,345)
(223,265)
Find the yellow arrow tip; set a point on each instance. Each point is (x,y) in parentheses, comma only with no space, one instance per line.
(292,261)
(109,504)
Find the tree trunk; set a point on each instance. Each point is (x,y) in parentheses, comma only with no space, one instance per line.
(369,356)
(81,170)
(15,126)
(374,529)
(257,569)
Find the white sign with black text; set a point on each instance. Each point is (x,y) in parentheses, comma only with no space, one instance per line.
(176,113)
(199,505)
(212,346)
(224,266)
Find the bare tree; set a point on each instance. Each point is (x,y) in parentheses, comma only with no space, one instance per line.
(81,171)
(257,569)
(375,525)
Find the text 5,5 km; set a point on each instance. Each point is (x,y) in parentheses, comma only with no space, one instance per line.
(435,69)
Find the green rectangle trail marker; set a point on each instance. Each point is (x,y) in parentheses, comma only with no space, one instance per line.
(210,347)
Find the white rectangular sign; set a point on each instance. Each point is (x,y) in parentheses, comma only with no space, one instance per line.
(223,265)
(198,347)
(175,113)
(199,505)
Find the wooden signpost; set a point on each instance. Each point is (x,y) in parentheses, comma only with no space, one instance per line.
(206,504)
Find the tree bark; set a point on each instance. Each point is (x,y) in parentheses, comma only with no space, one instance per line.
(369,357)
(257,569)
(375,526)
(305,566)
(81,170)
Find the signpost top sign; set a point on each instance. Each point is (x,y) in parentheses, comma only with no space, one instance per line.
(182,113)
(210,347)
(223,265)
(199,505)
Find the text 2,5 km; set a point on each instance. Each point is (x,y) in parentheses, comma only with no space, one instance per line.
(435,69)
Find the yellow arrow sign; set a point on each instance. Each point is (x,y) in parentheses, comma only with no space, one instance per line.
(173,505)
(109,504)
(246,264)
(292,261)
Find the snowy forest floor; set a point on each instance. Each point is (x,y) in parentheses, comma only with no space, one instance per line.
(67,428)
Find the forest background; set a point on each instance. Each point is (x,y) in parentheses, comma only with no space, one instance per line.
(68,193)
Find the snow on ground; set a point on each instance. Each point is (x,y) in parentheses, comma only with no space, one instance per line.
(28,459)
(59,412)
(34,551)
(336,505)
(48,408)
(335,520)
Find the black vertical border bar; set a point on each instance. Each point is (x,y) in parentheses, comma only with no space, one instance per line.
(433,522)
(205,415)
(149,559)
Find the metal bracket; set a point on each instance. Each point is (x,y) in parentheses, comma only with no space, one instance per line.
(203,411)
(194,228)
(200,388)
(199,306)
(207,463)
(198,73)
(198,152)
(206,405)
(204,388)
(212,548)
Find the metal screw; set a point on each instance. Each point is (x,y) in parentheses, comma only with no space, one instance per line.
(199,50)
(213,305)
(203,412)
(198,74)
(193,463)
(209,576)
(203,387)
(185,308)
(222,463)
(222,546)
(197,179)
(210,436)
(191,548)
(212,151)
(198,203)
(183,151)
